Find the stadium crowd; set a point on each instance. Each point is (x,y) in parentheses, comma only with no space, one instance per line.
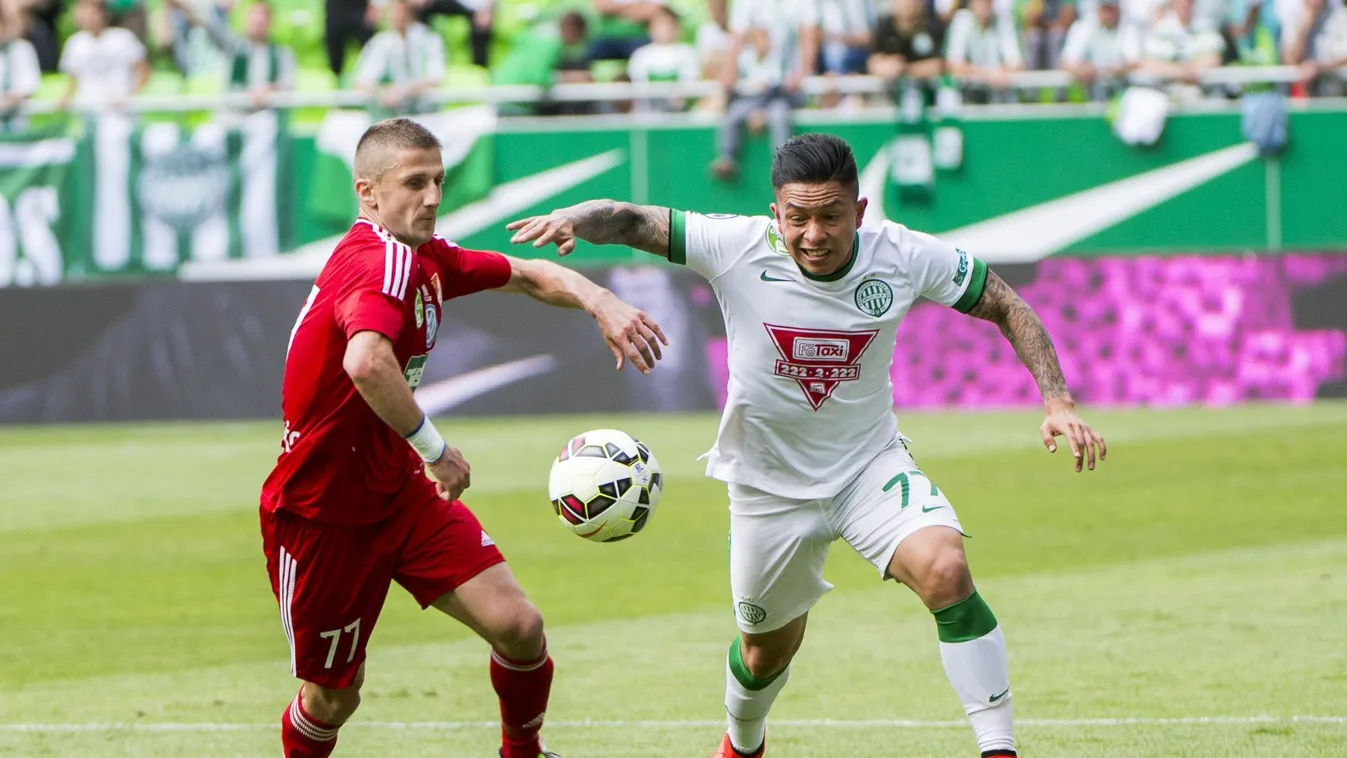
(761,50)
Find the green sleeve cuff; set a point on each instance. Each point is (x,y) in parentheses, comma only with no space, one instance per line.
(976,284)
(678,238)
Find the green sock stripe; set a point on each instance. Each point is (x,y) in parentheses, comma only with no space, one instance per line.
(966,620)
(741,673)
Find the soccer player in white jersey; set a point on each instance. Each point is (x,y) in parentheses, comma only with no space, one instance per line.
(808,443)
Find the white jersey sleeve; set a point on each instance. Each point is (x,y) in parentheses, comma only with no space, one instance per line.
(710,244)
(943,272)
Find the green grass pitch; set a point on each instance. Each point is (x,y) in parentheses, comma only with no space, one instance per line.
(1189,598)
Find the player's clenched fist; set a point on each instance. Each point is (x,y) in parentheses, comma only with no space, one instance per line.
(451,473)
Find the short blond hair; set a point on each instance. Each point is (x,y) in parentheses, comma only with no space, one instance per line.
(382,140)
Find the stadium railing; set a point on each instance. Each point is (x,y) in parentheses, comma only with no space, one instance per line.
(621,91)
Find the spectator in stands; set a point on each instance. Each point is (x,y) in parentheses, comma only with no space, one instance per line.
(793,32)
(759,100)
(480,14)
(20,76)
(345,21)
(256,63)
(665,59)
(620,27)
(1177,51)
(130,15)
(1099,51)
(401,63)
(186,20)
(1045,24)
(35,21)
(909,43)
(713,40)
(1142,15)
(1319,46)
(1248,20)
(106,65)
(983,49)
(574,63)
(847,31)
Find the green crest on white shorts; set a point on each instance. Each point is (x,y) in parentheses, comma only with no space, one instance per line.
(750,613)
(874,296)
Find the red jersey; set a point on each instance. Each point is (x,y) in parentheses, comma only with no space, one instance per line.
(339,462)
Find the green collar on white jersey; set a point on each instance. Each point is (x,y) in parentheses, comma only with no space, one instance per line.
(841,272)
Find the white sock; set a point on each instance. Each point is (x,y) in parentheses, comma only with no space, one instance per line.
(747,701)
(974,653)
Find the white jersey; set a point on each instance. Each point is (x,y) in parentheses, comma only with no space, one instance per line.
(810,398)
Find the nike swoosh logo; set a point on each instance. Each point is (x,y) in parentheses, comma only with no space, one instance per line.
(768,278)
(442,395)
(1036,232)
(927,509)
(503,203)
(994,698)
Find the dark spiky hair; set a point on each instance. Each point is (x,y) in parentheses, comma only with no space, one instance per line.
(815,159)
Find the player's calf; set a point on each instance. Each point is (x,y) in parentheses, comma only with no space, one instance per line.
(756,670)
(932,562)
(493,605)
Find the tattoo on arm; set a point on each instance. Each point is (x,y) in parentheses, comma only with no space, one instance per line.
(1025,332)
(607,222)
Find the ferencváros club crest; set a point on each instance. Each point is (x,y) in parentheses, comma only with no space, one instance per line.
(184,186)
(818,359)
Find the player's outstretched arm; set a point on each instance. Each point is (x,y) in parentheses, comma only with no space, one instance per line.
(598,222)
(1024,330)
(630,333)
(373,368)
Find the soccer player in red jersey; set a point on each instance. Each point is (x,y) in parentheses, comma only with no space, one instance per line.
(349,507)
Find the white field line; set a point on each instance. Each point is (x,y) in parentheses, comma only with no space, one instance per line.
(674,724)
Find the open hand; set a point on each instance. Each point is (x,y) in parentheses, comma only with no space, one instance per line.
(1063,420)
(541,230)
(630,334)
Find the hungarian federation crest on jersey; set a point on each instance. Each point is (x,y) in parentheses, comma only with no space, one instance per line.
(874,296)
(818,359)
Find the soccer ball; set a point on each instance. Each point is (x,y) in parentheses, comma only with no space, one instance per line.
(604,485)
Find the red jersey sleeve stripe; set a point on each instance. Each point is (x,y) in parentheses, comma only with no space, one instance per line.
(408,257)
(389,267)
(397,266)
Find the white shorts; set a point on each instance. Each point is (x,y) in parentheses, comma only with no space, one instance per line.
(778,546)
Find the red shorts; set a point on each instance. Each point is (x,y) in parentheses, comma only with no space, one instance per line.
(331,580)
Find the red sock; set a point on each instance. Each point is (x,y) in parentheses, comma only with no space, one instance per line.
(303,736)
(523,688)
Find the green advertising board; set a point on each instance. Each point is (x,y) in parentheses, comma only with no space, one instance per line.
(249,199)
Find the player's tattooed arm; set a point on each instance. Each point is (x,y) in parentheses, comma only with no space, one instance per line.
(1025,332)
(599,222)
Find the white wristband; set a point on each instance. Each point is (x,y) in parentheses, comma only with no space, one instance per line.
(426,441)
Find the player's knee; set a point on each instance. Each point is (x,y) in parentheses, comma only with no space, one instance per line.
(947,579)
(331,705)
(763,662)
(766,657)
(519,635)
